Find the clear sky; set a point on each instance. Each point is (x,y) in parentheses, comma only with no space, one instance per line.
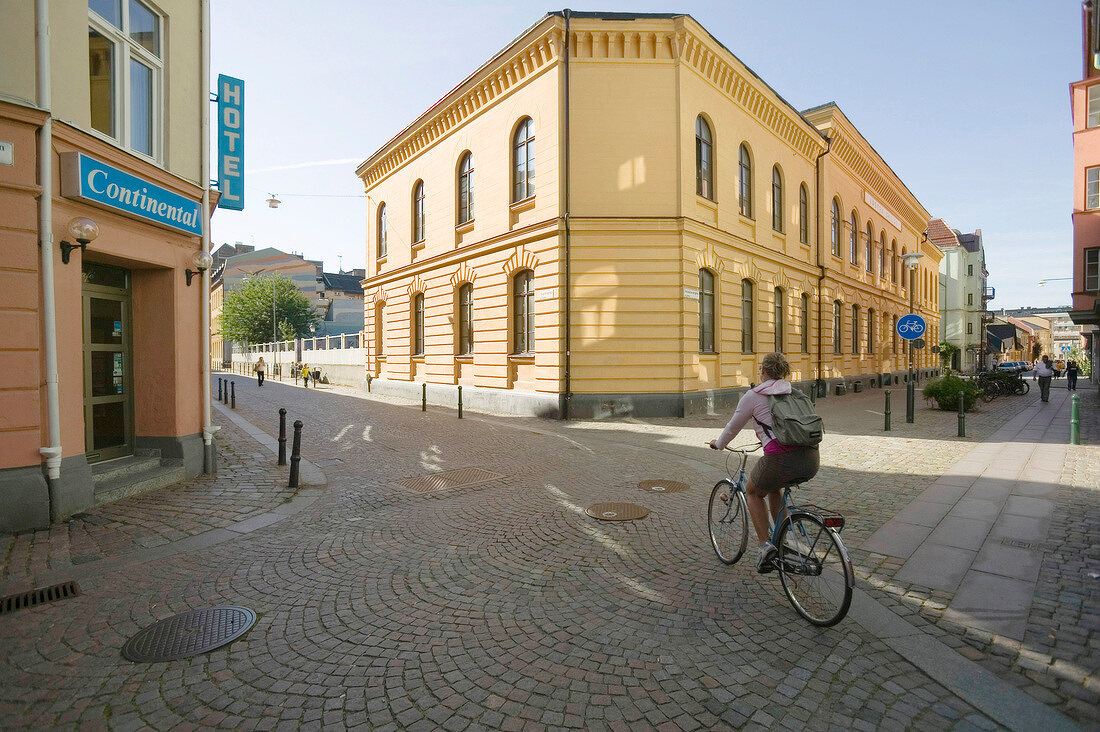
(967,100)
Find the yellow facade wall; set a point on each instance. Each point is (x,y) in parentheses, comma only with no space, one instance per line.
(638,232)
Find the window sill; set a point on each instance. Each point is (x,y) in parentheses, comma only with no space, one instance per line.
(525,204)
(708,354)
(418,358)
(748,220)
(380,261)
(706,202)
(464,227)
(464,358)
(521,358)
(417,246)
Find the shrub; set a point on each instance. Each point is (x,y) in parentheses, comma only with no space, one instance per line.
(945,392)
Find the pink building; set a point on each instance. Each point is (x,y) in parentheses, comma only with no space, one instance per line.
(1085,98)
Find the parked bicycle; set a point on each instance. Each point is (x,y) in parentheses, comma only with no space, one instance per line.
(1000,383)
(813,565)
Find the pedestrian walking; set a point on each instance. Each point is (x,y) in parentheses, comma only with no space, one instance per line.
(1043,373)
(305,375)
(260,368)
(1071,375)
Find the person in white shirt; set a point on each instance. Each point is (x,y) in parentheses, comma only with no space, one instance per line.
(1043,373)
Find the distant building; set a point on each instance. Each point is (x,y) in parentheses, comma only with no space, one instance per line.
(1085,103)
(964,293)
(338,297)
(1065,335)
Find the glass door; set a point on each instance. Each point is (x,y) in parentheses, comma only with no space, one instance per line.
(108,382)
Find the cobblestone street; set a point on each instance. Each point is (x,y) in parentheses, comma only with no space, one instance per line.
(501,605)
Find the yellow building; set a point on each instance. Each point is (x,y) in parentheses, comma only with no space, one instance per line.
(625,224)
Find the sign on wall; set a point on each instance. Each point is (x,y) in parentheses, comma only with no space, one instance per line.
(84,178)
(231,142)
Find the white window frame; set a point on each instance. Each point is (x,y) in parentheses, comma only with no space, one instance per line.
(1092,188)
(1092,279)
(1092,106)
(125,50)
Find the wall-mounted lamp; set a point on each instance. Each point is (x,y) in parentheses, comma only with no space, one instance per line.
(910,260)
(273,202)
(202,261)
(84,230)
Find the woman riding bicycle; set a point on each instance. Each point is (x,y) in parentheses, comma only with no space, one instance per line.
(782,465)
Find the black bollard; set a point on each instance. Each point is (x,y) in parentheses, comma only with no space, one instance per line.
(910,401)
(424,397)
(962,415)
(460,401)
(225,396)
(219,388)
(886,411)
(233,394)
(282,436)
(296,453)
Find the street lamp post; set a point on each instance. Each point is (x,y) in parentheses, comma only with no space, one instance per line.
(910,261)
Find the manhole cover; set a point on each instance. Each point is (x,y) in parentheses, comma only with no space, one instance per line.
(189,634)
(1018,544)
(450,479)
(617,511)
(663,486)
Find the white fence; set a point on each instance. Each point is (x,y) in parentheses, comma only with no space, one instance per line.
(341,358)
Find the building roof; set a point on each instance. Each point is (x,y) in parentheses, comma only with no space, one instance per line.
(940,234)
(971,242)
(342,282)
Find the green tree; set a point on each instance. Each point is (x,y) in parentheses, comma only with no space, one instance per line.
(1082,361)
(247,311)
(947,352)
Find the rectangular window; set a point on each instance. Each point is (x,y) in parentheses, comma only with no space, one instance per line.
(804,323)
(838,314)
(970,298)
(466,320)
(746,316)
(1092,269)
(418,325)
(1092,188)
(969,270)
(125,67)
(970,329)
(870,331)
(1093,114)
(706,311)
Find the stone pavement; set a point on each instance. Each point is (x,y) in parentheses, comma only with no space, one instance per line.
(501,605)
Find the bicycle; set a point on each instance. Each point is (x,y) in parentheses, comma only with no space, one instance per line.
(813,565)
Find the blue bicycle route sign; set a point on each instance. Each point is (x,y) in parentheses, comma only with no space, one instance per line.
(911,327)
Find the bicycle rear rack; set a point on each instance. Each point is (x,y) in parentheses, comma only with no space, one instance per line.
(830,518)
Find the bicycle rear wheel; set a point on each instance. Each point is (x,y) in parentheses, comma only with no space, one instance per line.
(815,569)
(728,522)
(1022,387)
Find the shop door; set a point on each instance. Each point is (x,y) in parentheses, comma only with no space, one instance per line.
(108,381)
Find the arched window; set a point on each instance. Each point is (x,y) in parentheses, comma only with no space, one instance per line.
(523,151)
(804,323)
(466,319)
(803,214)
(380,226)
(855,330)
(904,279)
(894,260)
(704,161)
(466,189)
(418,212)
(744,181)
(523,312)
(838,324)
(870,330)
(835,228)
(882,254)
(746,316)
(780,325)
(853,238)
(870,248)
(418,324)
(706,311)
(777,199)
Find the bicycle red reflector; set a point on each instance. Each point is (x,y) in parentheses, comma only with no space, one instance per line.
(834,522)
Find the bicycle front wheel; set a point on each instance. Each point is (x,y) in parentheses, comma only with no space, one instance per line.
(815,569)
(728,522)
(1022,387)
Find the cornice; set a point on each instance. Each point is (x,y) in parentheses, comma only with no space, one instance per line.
(723,70)
(495,81)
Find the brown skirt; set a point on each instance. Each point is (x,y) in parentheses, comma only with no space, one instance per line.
(775,472)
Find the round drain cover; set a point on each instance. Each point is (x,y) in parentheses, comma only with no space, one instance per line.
(663,486)
(617,511)
(189,634)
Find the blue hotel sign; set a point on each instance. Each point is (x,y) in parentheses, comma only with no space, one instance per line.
(86,179)
(231,142)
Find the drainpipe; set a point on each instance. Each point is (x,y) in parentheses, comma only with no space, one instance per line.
(567,398)
(819,178)
(209,457)
(52,452)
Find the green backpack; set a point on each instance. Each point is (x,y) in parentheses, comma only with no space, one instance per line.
(794,421)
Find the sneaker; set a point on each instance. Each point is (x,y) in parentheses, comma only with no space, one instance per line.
(766,556)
